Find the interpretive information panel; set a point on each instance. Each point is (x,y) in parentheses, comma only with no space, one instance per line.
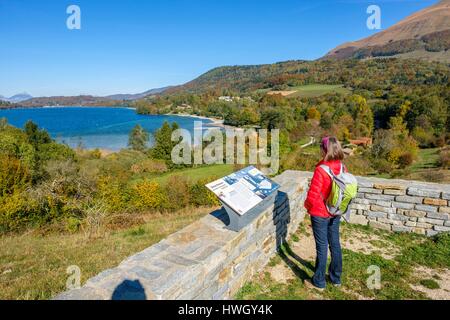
(243,190)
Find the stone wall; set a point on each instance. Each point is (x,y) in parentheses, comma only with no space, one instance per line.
(207,261)
(204,260)
(402,206)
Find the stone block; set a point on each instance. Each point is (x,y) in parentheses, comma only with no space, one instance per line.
(222,293)
(388,185)
(432,233)
(424,225)
(401,229)
(390,221)
(379,197)
(373,214)
(382,209)
(426,208)
(387,204)
(423,192)
(411,224)
(441,228)
(436,222)
(360,207)
(435,202)
(358,219)
(394,192)
(415,213)
(378,225)
(370,190)
(409,199)
(419,231)
(397,217)
(444,209)
(403,205)
(361,201)
(440,216)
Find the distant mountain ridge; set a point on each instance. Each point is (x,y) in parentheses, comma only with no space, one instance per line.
(17,98)
(138,95)
(426,31)
(83,100)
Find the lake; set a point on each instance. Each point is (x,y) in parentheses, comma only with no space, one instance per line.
(99,127)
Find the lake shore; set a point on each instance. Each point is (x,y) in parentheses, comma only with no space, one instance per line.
(215,122)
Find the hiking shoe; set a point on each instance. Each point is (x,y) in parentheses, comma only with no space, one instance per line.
(310,285)
(336,285)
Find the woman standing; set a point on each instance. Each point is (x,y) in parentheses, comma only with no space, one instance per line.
(325,226)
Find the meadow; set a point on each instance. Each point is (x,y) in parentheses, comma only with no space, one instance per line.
(411,267)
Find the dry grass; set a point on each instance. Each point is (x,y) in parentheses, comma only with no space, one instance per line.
(33,265)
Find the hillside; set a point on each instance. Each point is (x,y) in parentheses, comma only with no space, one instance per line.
(427,31)
(291,74)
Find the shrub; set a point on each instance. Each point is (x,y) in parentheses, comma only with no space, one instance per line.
(444,158)
(14,175)
(149,166)
(382,165)
(112,192)
(201,196)
(405,160)
(424,138)
(150,195)
(358,165)
(13,212)
(177,191)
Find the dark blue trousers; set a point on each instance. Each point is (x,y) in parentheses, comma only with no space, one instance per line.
(326,234)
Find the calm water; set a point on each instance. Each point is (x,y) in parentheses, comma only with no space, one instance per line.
(102,127)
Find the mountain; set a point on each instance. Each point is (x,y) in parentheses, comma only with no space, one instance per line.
(86,100)
(17,98)
(138,95)
(424,34)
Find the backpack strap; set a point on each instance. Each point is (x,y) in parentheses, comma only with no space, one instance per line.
(328,170)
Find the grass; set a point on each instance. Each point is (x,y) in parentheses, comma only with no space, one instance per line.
(316,90)
(193,174)
(397,274)
(427,159)
(430,284)
(33,266)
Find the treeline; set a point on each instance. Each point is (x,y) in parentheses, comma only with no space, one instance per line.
(371,74)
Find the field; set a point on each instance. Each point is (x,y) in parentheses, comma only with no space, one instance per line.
(33,265)
(411,267)
(196,174)
(312,90)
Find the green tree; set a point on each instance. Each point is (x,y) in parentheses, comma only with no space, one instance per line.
(35,135)
(138,138)
(162,149)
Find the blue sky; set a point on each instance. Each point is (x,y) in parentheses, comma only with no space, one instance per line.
(135,45)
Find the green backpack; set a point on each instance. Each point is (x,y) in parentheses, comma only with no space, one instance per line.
(343,191)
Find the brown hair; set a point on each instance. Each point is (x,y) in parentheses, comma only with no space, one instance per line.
(331,149)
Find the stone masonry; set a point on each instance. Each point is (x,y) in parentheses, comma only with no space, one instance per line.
(402,206)
(207,261)
(204,260)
